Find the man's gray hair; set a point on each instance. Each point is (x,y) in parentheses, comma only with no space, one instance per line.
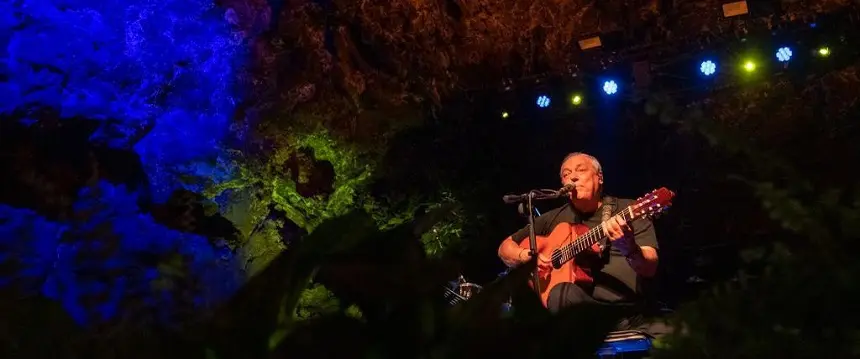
(594,161)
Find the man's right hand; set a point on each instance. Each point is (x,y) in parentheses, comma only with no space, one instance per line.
(544,265)
(513,255)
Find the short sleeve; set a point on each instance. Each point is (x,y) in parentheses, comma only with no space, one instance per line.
(644,234)
(543,226)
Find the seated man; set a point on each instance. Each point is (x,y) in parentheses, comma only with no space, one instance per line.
(630,253)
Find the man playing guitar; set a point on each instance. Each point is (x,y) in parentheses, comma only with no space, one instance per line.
(609,272)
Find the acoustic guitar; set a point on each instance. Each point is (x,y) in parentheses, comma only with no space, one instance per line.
(567,240)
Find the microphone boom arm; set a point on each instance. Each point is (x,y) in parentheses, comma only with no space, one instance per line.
(539,194)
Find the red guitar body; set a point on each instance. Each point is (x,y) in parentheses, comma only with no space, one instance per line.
(561,235)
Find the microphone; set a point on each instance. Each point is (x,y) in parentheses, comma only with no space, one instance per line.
(568,188)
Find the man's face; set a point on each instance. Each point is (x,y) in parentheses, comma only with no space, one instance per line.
(580,171)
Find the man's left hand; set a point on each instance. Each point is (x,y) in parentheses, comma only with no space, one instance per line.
(620,233)
(616,228)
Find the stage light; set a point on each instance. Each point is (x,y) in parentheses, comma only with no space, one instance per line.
(783,54)
(576,100)
(823,51)
(708,68)
(749,66)
(543,101)
(590,43)
(505,114)
(610,87)
(735,8)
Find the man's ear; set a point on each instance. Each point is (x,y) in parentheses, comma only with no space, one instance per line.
(600,178)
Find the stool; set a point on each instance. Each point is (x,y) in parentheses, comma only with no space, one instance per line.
(625,344)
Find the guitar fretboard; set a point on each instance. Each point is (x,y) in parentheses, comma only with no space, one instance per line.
(568,251)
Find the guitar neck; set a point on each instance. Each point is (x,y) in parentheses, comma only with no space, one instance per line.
(569,251)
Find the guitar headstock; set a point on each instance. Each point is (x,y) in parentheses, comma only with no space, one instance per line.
(653,204)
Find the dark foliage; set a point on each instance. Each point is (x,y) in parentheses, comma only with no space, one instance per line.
(403,315)
(398,291)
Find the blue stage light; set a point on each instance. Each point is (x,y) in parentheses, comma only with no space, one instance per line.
(610,87)
(708,68)
(543,101)
(783,54)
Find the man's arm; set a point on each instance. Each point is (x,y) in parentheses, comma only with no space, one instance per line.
(511,254)
(643,256)
(644,261)
(510,251)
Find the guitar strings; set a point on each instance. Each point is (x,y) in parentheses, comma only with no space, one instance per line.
(579,244)
(569,250)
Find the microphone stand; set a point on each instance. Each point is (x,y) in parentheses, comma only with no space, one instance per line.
(527,200)
(532,239)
